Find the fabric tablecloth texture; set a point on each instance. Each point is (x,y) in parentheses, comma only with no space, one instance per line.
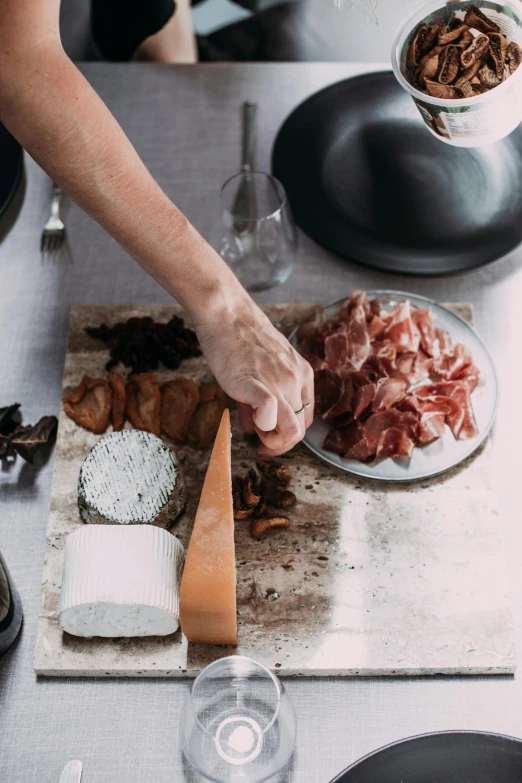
(185,123)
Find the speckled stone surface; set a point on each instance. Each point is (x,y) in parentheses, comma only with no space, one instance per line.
(371,579)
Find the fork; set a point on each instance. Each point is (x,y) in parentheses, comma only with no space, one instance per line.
(53,233)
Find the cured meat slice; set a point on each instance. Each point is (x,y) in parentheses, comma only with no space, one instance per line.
(450,365)
(394,443)
(363,399)
(336,350)
(388,392)
(341,440)
(376,424)
(328,388)
(431,425)
(310,329)
(401,329)
(428,336)
(462,422)
(445,341)
(345,403)
(376,326)
(358,338)
(358,299)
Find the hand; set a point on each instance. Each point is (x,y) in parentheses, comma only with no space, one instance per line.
(256,365)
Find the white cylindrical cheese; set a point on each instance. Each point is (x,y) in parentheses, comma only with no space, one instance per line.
(131,478)
(121,581)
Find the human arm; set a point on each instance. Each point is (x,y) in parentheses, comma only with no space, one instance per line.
(59,119)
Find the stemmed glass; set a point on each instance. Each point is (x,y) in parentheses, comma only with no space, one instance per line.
(258,235)
(238,723)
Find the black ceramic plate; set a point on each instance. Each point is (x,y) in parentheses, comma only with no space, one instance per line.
(367,180)
(10,167)
(445,757)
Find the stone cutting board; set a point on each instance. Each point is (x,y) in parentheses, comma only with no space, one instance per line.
(372,579)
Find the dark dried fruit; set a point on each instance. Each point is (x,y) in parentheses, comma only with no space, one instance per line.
(488,77)
(10,418)
(480,89)
(141,343)
(437,90)
(277,496)
(143,402)
(449,61)
(513,56)
(241,511)
(465,90)
(429,69)
(205,420)
(89,404)
(27,441)
(416,46)
(451,35)
(475,18)
(496,54)
(431,38)
(475,51)
(179,400)
(260,527)
(119,397)
(468,74)
(275,471)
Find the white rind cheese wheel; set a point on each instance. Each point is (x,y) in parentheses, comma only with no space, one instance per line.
(121,581)
(131,478)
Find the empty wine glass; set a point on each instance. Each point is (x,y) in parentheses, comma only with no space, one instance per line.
(258,236)
(238,723)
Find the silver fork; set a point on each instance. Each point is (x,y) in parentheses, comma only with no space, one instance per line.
(53,233)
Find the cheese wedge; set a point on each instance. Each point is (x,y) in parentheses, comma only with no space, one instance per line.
(208,585)
(121,581)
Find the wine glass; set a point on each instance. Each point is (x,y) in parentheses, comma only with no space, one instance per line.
(258,235)
(238,724)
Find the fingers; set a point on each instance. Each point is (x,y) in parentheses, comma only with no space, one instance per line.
(307,393)
(246,418)
(288,431)
(264,407)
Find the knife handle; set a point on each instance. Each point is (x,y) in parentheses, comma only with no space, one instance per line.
(249,135)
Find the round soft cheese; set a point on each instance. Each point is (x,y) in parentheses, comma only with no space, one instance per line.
(131,478)
(121,581)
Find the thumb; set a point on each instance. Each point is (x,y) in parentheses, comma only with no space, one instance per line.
(263,404)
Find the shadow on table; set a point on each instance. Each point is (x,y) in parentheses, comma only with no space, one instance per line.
(24,474)
(10,216)
(285,776)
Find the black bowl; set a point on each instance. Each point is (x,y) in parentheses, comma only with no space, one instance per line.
(366,179)
(444,757)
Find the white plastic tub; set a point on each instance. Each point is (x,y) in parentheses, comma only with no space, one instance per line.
(467,122)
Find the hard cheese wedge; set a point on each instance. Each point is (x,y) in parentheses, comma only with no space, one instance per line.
(208,585)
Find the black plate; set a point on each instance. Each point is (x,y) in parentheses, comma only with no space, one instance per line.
(445,757)
(11,167)
(367,180)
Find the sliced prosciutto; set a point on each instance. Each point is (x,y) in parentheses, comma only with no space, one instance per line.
(387,380)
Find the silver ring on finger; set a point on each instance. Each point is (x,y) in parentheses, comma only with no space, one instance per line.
(305,406)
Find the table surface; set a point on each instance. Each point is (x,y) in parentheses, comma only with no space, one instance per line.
(184,122)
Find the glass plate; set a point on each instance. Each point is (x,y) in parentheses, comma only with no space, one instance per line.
(446,452)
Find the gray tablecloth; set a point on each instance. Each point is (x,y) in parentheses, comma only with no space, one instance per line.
(184,122)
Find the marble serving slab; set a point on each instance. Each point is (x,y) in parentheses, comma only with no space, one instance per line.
(371,579)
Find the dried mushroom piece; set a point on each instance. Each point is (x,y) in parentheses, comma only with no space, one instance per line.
(204,422)
(513,56)
(241,510)
(475,51)
(119,398)
(435,51)
(143,402)
(488,77)
(89,404)
(431,38)
(277,496)
(477,19)
(179,400)
(275,471)
(437,90)
(449,61)
(252,490)
(416,47)
(496,54)
(261,527)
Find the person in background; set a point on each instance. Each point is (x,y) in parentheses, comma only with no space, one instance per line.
(51,109)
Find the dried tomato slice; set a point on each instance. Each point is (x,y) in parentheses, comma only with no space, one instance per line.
(143,402)
(119,398)
(205,419)
(179,400)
